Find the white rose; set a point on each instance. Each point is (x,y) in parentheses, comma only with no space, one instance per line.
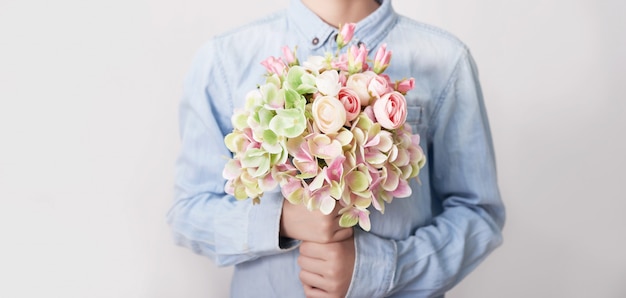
(328,83)
(359,82)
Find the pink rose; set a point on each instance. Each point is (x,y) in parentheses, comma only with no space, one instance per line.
(390,110)
(386,78)
(378,86)
(405,85)
(328,113)
(289,56)
(382,58)
(341,62)
(274,65)
(357,59)
(346,32)
(351,103)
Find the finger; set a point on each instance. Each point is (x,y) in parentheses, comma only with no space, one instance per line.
(311,292)
(312,250)
(311,264)
(342,234)
(312,279)
(338,208)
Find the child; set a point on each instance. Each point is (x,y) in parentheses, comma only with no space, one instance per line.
(422,246)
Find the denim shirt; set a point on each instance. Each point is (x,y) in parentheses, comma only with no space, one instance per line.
(424,244)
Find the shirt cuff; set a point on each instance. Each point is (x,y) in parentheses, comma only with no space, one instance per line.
(374,265)
(264,226)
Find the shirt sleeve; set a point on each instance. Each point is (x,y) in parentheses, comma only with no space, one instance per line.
(203,217)
(463,180)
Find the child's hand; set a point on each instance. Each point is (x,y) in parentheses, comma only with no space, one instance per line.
(326,269)
(299,223)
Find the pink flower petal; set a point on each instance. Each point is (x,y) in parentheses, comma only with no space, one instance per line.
(403,190)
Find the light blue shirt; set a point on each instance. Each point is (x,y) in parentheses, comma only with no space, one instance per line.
(423,245)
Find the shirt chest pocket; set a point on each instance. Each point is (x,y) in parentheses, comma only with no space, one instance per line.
(414,116)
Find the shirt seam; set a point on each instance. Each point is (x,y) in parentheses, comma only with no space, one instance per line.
(438,31)
(357,266)
(444,93)
(223,79)
(376,41)
(393,269)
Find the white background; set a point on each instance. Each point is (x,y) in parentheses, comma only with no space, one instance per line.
(88,138)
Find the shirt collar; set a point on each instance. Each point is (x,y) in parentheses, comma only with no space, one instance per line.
(370,30)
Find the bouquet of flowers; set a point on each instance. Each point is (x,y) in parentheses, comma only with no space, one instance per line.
(328,131)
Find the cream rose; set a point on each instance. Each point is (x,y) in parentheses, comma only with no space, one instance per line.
(359,82)
(390,110)
(328,113)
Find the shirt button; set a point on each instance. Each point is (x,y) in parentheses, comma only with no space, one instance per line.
(315,41)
